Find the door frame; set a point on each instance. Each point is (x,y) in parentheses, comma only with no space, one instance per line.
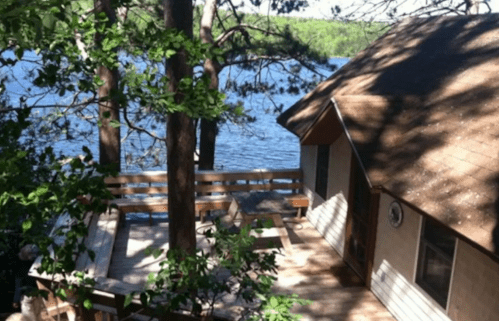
(372,223)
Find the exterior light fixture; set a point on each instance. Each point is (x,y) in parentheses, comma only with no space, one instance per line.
(395,214)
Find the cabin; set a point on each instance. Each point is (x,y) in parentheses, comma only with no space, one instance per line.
(400,161)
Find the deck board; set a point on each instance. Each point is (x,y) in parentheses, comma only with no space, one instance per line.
(315,271)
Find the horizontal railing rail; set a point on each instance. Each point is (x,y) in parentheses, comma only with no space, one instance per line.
(211,181)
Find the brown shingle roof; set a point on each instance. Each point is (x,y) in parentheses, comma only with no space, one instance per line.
(421,105)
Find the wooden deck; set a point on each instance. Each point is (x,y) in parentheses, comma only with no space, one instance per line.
(315,271)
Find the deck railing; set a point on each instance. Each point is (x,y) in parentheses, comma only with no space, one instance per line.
(222,182)
(109,294)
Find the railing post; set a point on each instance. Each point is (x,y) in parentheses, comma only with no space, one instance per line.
(119,303)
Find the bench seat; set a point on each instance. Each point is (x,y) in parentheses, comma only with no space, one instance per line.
(101,235)
(102,229)
(203,203)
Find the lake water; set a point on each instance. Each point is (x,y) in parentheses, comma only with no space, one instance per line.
(262,144)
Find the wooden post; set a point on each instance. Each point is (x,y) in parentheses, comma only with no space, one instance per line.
(119,303)
(91,315)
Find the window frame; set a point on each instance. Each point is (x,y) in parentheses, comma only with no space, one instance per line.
(441,298)
(322,170)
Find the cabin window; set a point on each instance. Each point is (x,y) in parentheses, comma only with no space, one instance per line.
(322,170)
(436,254)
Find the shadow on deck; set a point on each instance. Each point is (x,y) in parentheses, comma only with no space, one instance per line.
(314,271)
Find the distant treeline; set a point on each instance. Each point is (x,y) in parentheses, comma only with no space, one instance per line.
(328,38)
(334,38)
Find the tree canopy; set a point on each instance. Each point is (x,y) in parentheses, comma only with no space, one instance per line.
(71,42)
(273,43)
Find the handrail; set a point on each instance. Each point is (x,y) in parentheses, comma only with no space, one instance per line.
(209,176)
(221,181)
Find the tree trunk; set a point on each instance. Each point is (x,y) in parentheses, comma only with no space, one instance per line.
(472,6)
(109,137)
(208,133)
(207,140)
(181,139)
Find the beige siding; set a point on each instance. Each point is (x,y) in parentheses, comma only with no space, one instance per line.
(394,267)
(329,216)
(475,286)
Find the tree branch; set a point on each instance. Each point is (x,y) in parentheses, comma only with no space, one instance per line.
(140,129)
(242,28)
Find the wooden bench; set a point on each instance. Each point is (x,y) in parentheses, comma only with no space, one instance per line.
(102,230)
(101,235)
(149,190)
(213,190)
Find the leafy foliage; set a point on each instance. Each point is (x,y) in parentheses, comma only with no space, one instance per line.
(296,49)
(198,282)
(55,43)
(319,37)
(62,33)
(35,189)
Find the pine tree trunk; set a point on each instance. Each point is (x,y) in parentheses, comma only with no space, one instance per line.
(109,137)
(181,140)
(208,133)
(472,6)
(207,140)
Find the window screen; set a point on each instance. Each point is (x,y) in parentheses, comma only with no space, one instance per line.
(435,261)
(322,170)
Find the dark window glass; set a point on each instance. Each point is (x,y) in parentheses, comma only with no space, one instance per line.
(322,170)
(435,261)
(358,251)
(440,237)
(361,199)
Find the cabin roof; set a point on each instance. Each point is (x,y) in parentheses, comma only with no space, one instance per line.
(421,108)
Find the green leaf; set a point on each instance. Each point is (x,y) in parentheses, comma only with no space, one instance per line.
(98,81)
(273,302)
(106,114)
(115,123)
(19,52)
(170,52)
(128,299)
(87,304)
(239,110)
(89,281)
(157,252)
(61,293)
(268,224)
(27,225)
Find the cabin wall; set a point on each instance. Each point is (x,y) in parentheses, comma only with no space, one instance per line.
(394,269)
(475,286)
(329,216)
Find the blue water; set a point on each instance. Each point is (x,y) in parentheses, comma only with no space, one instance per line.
(262,144)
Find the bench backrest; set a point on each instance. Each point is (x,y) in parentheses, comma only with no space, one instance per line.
(210,182)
